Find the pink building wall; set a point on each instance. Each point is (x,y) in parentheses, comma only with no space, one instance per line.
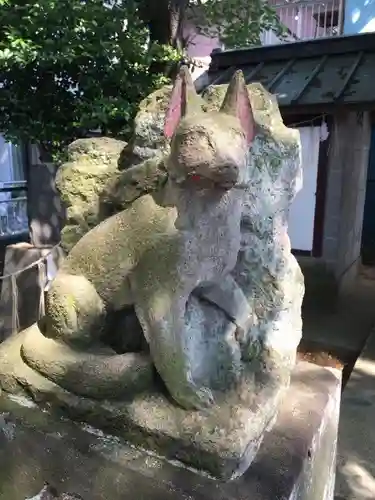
(200,48)
(298,18)
(199,45)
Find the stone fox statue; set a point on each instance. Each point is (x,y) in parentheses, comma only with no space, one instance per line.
(153,255)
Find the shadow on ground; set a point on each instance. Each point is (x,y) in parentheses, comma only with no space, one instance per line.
(335,335)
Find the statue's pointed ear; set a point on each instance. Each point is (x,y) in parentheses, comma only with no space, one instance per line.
(184,100)
(236,102)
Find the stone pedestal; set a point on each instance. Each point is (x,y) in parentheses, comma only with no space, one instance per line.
(26,297)
(296,460)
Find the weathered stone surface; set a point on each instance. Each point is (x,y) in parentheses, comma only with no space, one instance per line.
(148,140)
(295,460)
(90,164)
(96,181)
(216,441)
(267,270)
(48,492)
(92,184)
(129,185)
(206,263)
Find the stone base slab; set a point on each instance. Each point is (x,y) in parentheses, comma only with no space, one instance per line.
(222,442)
(296,459)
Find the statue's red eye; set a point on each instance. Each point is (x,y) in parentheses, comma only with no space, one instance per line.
(196,177)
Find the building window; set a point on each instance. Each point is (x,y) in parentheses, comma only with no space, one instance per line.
(13,190)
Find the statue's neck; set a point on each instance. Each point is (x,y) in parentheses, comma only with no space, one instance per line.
(195,206)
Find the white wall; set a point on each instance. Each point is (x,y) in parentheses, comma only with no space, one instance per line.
(302,210)
(6,171)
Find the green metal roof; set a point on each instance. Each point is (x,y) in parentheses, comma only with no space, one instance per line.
(323,72)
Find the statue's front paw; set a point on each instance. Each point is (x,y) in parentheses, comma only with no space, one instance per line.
(204,398)
(192,397)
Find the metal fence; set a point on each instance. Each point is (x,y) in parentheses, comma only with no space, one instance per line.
(306,20)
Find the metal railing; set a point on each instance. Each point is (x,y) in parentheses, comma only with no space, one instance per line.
(306,20)
(13,209)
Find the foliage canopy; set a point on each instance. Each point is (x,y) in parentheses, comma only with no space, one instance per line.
(71,66)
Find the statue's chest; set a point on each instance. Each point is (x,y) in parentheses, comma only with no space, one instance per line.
(212,235)
(221,224)
(216,243)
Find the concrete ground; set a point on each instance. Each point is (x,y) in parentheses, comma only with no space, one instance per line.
(356,448)
(348,330)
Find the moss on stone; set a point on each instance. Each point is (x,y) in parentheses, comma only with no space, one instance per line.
(157,101)
(98,149)
(91,163)
(127,186)
(104,176)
